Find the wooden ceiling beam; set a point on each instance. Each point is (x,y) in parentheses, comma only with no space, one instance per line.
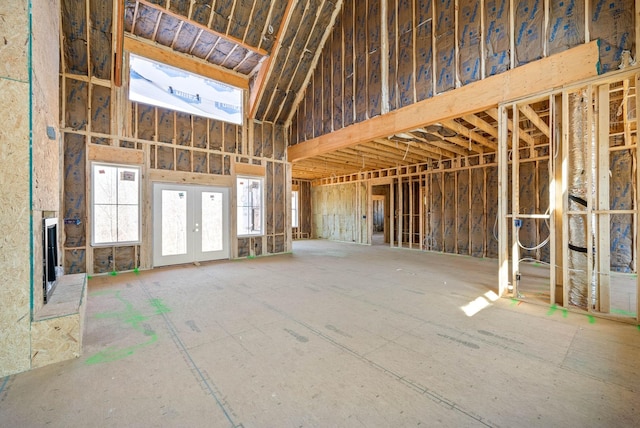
(157,52)
(418,149)
(481,124)
(493,112)
(266,69)
(536,120)
(469,134)
(440,147)
(555,71)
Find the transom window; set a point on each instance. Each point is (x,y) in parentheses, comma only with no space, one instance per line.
(165,86)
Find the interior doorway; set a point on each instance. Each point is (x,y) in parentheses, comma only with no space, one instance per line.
(190,224)
(380,215)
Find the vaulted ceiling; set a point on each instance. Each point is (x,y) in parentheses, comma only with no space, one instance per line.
(273,43)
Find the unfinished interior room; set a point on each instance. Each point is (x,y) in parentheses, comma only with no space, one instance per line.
(319,213)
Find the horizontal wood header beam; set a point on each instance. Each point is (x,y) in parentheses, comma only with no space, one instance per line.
(195,65)
(553,72)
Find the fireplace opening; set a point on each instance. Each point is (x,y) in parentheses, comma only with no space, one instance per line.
(51,266)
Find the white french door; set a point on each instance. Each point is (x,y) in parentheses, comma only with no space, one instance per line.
(190,224)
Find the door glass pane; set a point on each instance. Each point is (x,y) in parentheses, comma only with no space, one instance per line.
(212,225)
(174,222)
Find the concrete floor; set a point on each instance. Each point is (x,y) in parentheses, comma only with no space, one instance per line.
(332,335)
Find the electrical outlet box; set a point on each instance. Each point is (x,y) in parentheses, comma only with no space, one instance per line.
(517,222)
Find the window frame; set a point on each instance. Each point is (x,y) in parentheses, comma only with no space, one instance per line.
(138,168)
(261,180)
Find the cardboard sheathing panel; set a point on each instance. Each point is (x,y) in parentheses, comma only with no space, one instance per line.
(336,55)
(449,212)
(405,75)
(100,109)
(462,218)
(529,31)
(146,122)
(74,31)
(478,218)
(77,96)
(424,50)
(566,25)
(267,139)
(445,46)
(100,18)
(469,36)
(612,22)
(392,32)
(374,56)
(497,40)
(621,191)
(199,132)
(436,239)
(349,33)
(74,199)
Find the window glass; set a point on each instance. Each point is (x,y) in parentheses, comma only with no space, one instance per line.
(161,85)
(116,204)
(250,202)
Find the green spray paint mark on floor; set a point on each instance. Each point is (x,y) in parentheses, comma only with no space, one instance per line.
(160,307)
(592,319)
(552,309)
(625,313)
(514,302)
(135,319)
(565,312)
(113,273)
(136,271)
